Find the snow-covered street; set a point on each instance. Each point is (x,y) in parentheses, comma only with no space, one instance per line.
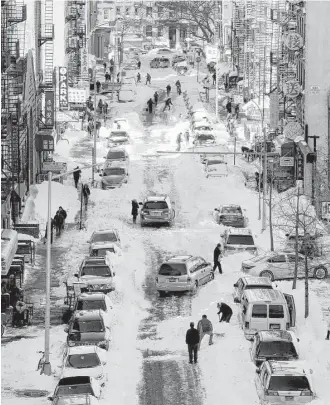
(148,358)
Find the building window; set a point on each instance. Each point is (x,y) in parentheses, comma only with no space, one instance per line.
(106,14)
(149,30)
(183,34)
(149,11)
(118,10)
(127,11)
(160,31)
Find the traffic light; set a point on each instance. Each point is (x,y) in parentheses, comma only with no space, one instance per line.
(311,157)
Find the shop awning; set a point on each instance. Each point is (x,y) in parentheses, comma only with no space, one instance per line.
(44,142)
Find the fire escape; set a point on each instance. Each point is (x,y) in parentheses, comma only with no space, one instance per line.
(13,125)
(44,65)
(75,37)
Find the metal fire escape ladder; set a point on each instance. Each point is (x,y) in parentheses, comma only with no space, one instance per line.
(48,40)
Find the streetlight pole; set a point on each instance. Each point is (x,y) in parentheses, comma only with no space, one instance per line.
(217,61)
(45,365)
(264,189)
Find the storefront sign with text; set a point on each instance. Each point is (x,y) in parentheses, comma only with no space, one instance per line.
(63,88)
(49,108)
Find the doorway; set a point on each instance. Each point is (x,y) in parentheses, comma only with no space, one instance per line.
(172,37)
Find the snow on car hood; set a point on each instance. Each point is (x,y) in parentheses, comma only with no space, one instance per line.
(118,138)
(92,280)
(82,372)
(113,179)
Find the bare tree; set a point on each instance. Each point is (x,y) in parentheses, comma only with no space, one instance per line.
(198,13)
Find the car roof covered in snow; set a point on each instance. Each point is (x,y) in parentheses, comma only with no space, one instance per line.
(119,132)
(238,231)
(275,335)
(103,231)
(82,349)
(89,315)
(93,296)
(264,295)
(156,197)
(287,367)
(180,258)
(251,280)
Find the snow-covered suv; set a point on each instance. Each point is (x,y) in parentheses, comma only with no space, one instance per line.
(157,209)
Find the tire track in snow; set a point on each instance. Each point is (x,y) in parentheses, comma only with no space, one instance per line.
(167,378)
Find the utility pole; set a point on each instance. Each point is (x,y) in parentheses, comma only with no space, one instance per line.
(216,36)
(94,132)
(264,190)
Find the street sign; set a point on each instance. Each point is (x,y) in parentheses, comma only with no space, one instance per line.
(287,161)
(54,167)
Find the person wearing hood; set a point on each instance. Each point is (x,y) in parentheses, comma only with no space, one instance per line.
(135,209)
(150,104)
(225,311)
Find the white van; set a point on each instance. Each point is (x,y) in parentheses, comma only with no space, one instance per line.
(265,309)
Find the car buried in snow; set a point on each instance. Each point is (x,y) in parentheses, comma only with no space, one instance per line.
(102,237)
(230,215)
(118,138)
(250,283)
(76,390)
(216,167)
(160,63)
(183,273)
(87,328)
(126,95)
(274,345)
(204,138)
(85,361)
(116,155)
(92,301)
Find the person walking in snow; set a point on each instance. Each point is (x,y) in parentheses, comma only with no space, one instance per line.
(214,77)
(205,327)
(52,222)
(168,90)
(86,193)
(138,77)
(178,141)
(98,86)
(216,258)
(192,340)
(168,104)
(187,135)
(148,79)
(178,87)
(139,64)
(156,98)
(90,127)
(150,104)
(225,311)
(135,210)
(76,176)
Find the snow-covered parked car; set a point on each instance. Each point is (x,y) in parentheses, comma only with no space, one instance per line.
(118,154)
(230,215)
(274,345)
(279,382)
(204,138)
(126,95)
(118,138)
(120,123)
(215,167)
(94,301)
(102,237)
(96,276)
(280,265)
(238,240)
(71,387)
(250,283)
(114,175)
(85,361)
(165,51)
(88,328)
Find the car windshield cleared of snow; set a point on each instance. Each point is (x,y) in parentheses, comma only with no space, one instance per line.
(102,252)
(65,390)
(90,305)
(116,155)
(203,128)
(240,240)
(88,326)
(204,137)
(104,237)
(88,360)
(277,349)
(288,383)
(99,271)
(113,171)
(118,133)
(155,205)
(173,269)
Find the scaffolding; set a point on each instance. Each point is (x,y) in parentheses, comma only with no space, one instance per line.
(13,125)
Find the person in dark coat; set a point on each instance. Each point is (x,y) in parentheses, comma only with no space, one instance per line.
(150,104)
(98,86)
(118,77)
(138,77)
(148,79)
(156,98)
(168,90)
(192,340)
(105,108)
(256,174)
(139,64)
(216,256)
(225,311)
(76,176)
(62,212)
(100,106)
(52,226)
(168,104)
(228,107)
(135,209)
(178,87)
(214,77)
(86,193)
(90,128)
(105,66)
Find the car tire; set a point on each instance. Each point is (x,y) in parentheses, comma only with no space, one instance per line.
(320,272)
(162,294)
(212,275)
(268,274)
